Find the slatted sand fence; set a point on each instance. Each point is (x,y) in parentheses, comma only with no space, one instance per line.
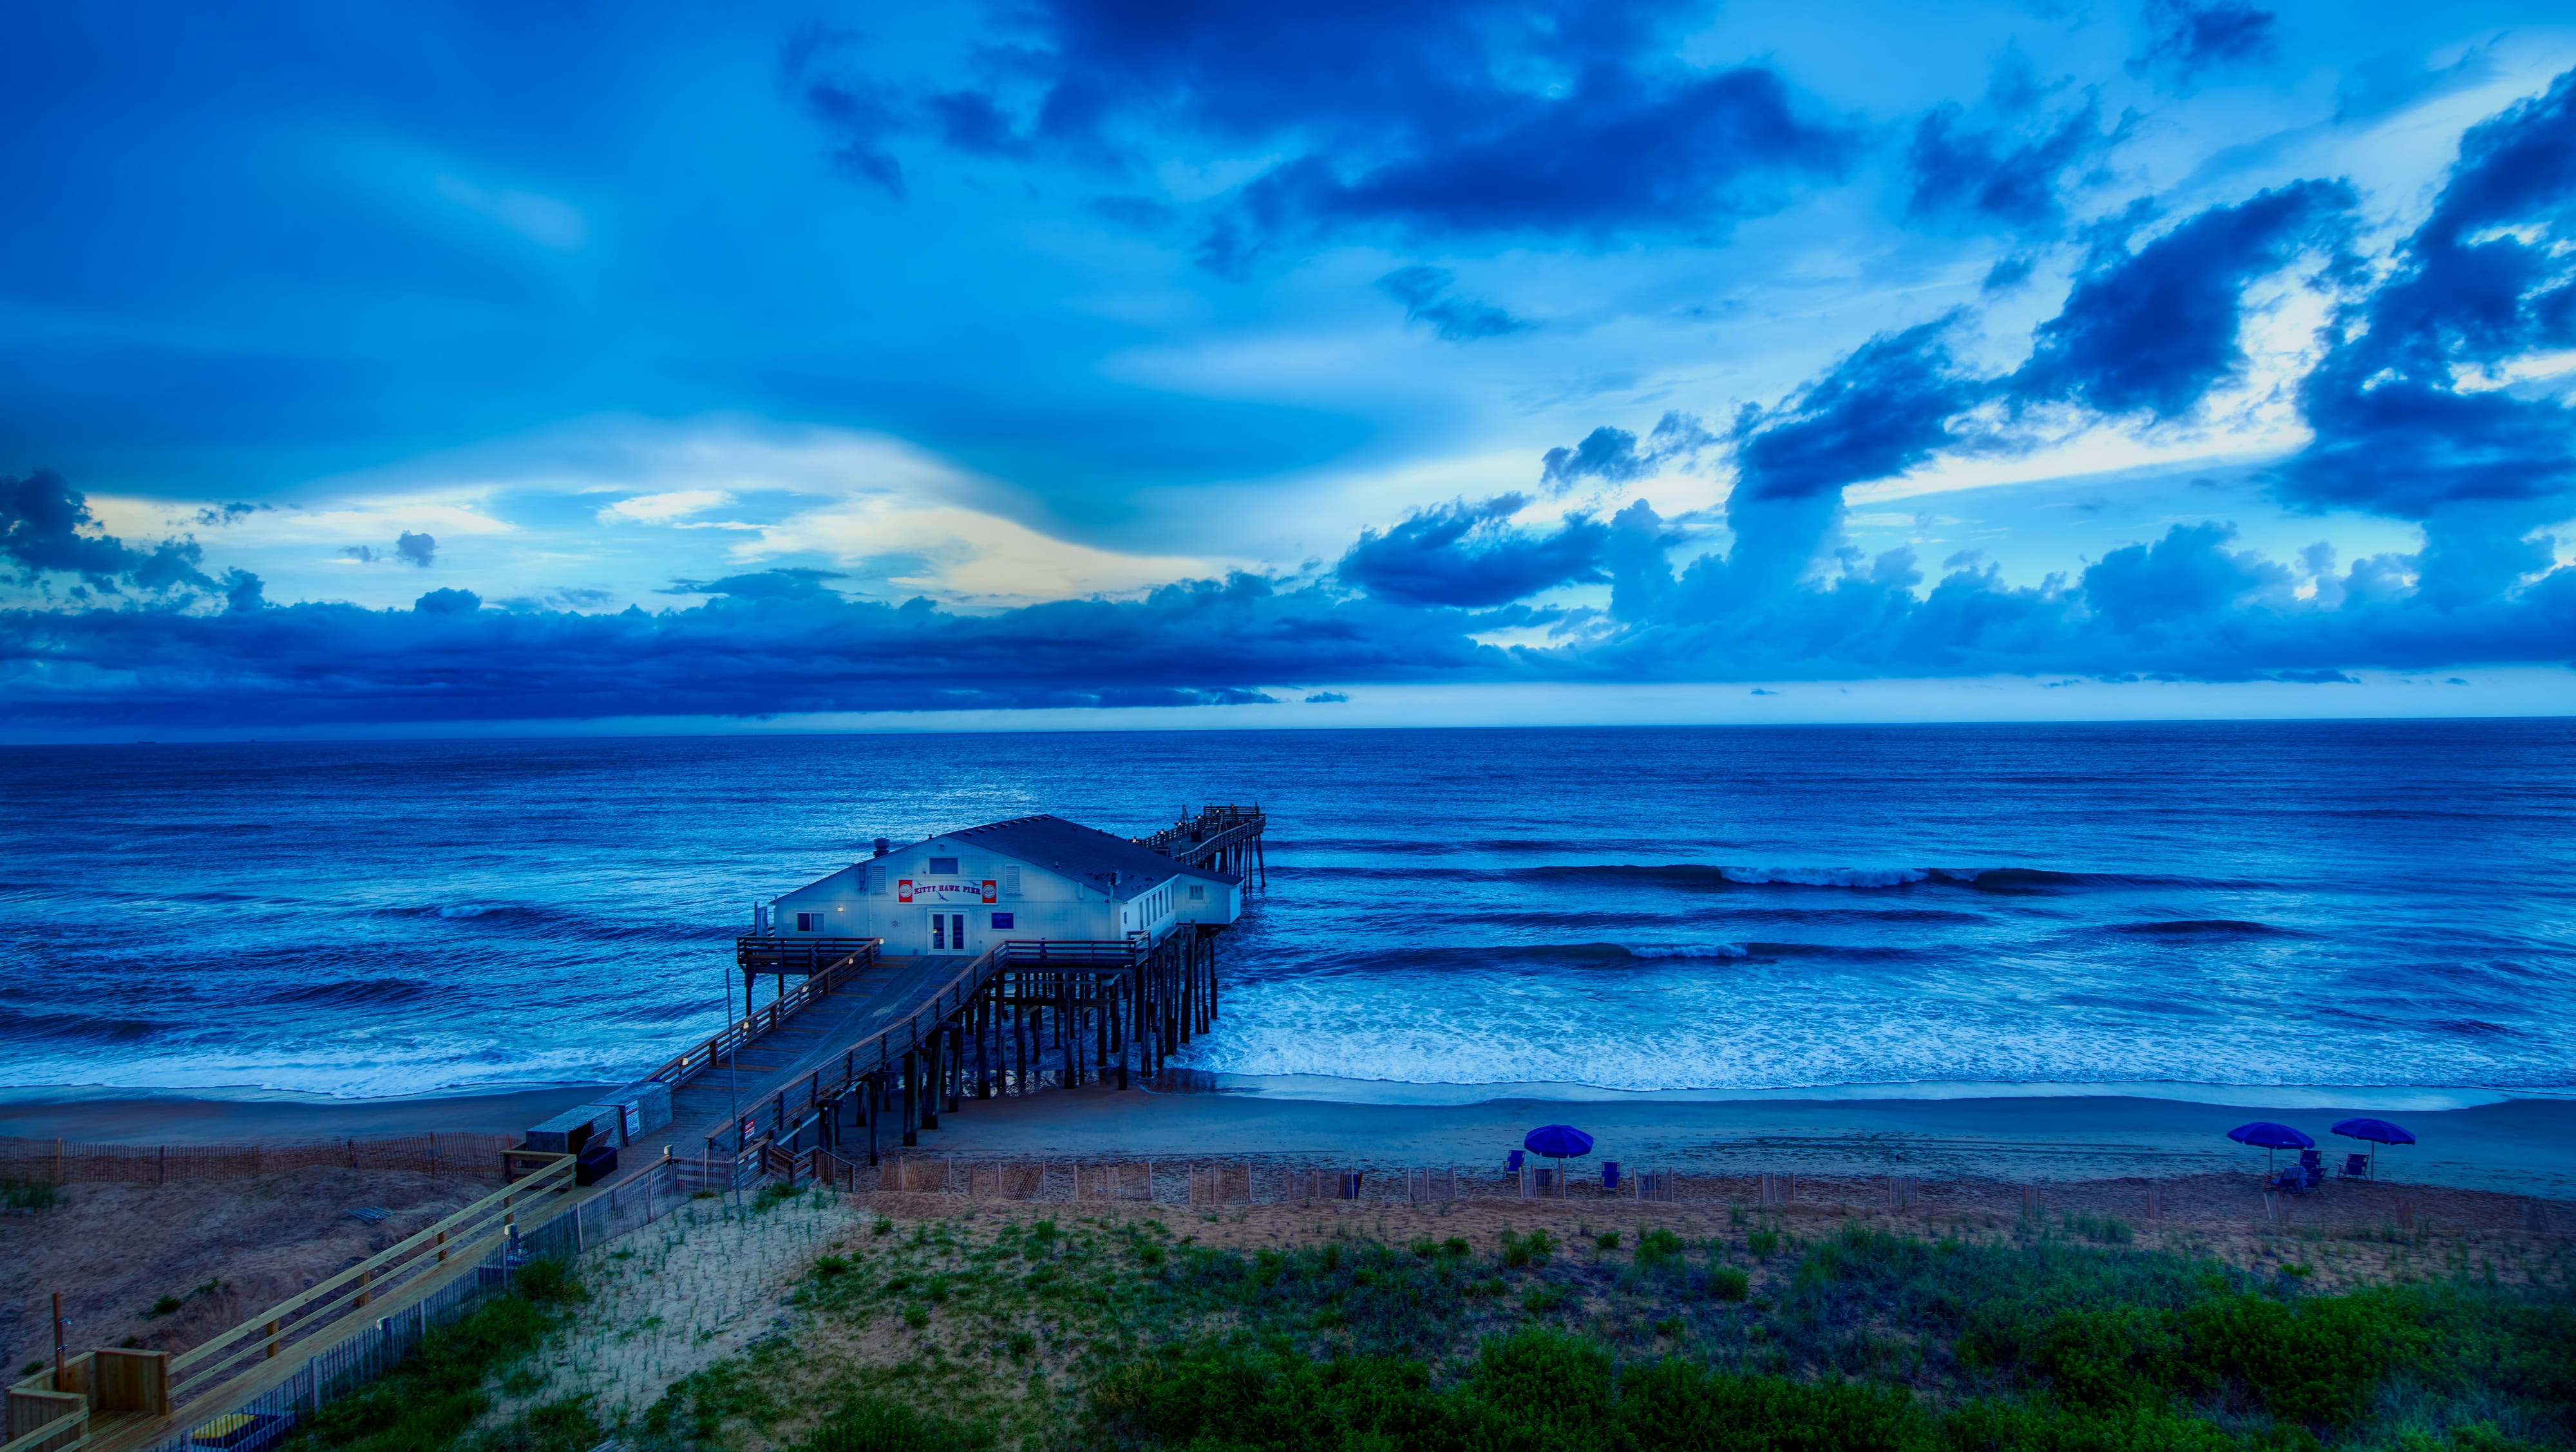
(67,1162)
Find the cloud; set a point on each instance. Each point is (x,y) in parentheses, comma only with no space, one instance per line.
(1327,698)
(2178,580)
(1424,291)
(2154,330)
(2185,40)
(2190,603)
(1882,410)
(779,584)
(46,528)
(1557,122)
(2409,408)
(664,508)
(1612,455)
(419,549)
(547,221)
(2011,165)
(448,602)
(1464,554)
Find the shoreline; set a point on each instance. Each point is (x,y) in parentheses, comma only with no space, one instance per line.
(2523,1146)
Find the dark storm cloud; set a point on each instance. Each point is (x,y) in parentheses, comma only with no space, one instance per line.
(2008,162)
(2153,331)
(1471,555)
(2011,178)
(1879,412)
(46,528)
(1427,298)
(2408,415)
(2185,39)
(445,660)
(2187,605)
(1613,455)
(1556,121)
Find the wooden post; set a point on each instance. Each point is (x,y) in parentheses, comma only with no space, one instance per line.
(272,1340)
(911,1071)
(366,1280)
(441,1241)
(58,1322)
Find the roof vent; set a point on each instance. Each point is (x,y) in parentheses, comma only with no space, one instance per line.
(884,845)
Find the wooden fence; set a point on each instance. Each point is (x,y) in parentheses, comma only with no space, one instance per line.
(64,1162)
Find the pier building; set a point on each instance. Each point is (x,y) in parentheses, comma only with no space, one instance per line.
(1026,879)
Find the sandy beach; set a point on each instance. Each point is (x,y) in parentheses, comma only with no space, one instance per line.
(2517,1147)
(2521,1147)
(124,1116)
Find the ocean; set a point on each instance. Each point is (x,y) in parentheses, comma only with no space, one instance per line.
(1925,909)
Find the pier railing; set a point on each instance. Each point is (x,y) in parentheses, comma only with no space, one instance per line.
(1211,835)
(855,955)
(774,1114)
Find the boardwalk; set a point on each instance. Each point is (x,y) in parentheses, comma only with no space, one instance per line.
(852,1008)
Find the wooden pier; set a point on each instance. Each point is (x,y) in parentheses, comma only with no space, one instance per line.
(867,1051)
(1226,838)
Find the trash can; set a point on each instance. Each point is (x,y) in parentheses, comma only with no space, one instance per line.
(596,1163)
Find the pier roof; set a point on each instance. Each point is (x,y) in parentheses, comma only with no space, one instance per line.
(1083,853)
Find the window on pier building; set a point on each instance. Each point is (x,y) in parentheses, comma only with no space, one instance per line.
(943,867)
(1010,882)
(809,922)
(1197,893)
(876,882)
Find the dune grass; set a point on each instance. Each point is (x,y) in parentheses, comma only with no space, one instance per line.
(1125,1335)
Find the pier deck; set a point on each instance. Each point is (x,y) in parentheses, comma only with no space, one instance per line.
(867,1051)
(852,1008)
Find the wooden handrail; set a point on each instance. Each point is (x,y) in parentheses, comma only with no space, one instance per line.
(267,1329)
(730,1040)
(1095,954)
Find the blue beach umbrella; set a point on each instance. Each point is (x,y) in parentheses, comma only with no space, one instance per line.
(2267,1136)
(2378,1132)
(1557,1141)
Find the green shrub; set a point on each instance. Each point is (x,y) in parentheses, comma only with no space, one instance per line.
(1727,1283)
(27,1194)
(433,1395)
(1764,1243)
(878,1424)
(2316,1362)
(1606,1240)
(1659,1249)
(1543,1298)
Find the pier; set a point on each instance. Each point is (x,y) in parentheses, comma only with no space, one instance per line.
(869,1049)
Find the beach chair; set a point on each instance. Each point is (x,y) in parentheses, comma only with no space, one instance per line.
(2356,1167)
(1610,1177)
(1512,1166)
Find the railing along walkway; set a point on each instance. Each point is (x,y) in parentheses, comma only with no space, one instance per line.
(822,1077)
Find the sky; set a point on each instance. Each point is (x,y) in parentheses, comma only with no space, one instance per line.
(477,367)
